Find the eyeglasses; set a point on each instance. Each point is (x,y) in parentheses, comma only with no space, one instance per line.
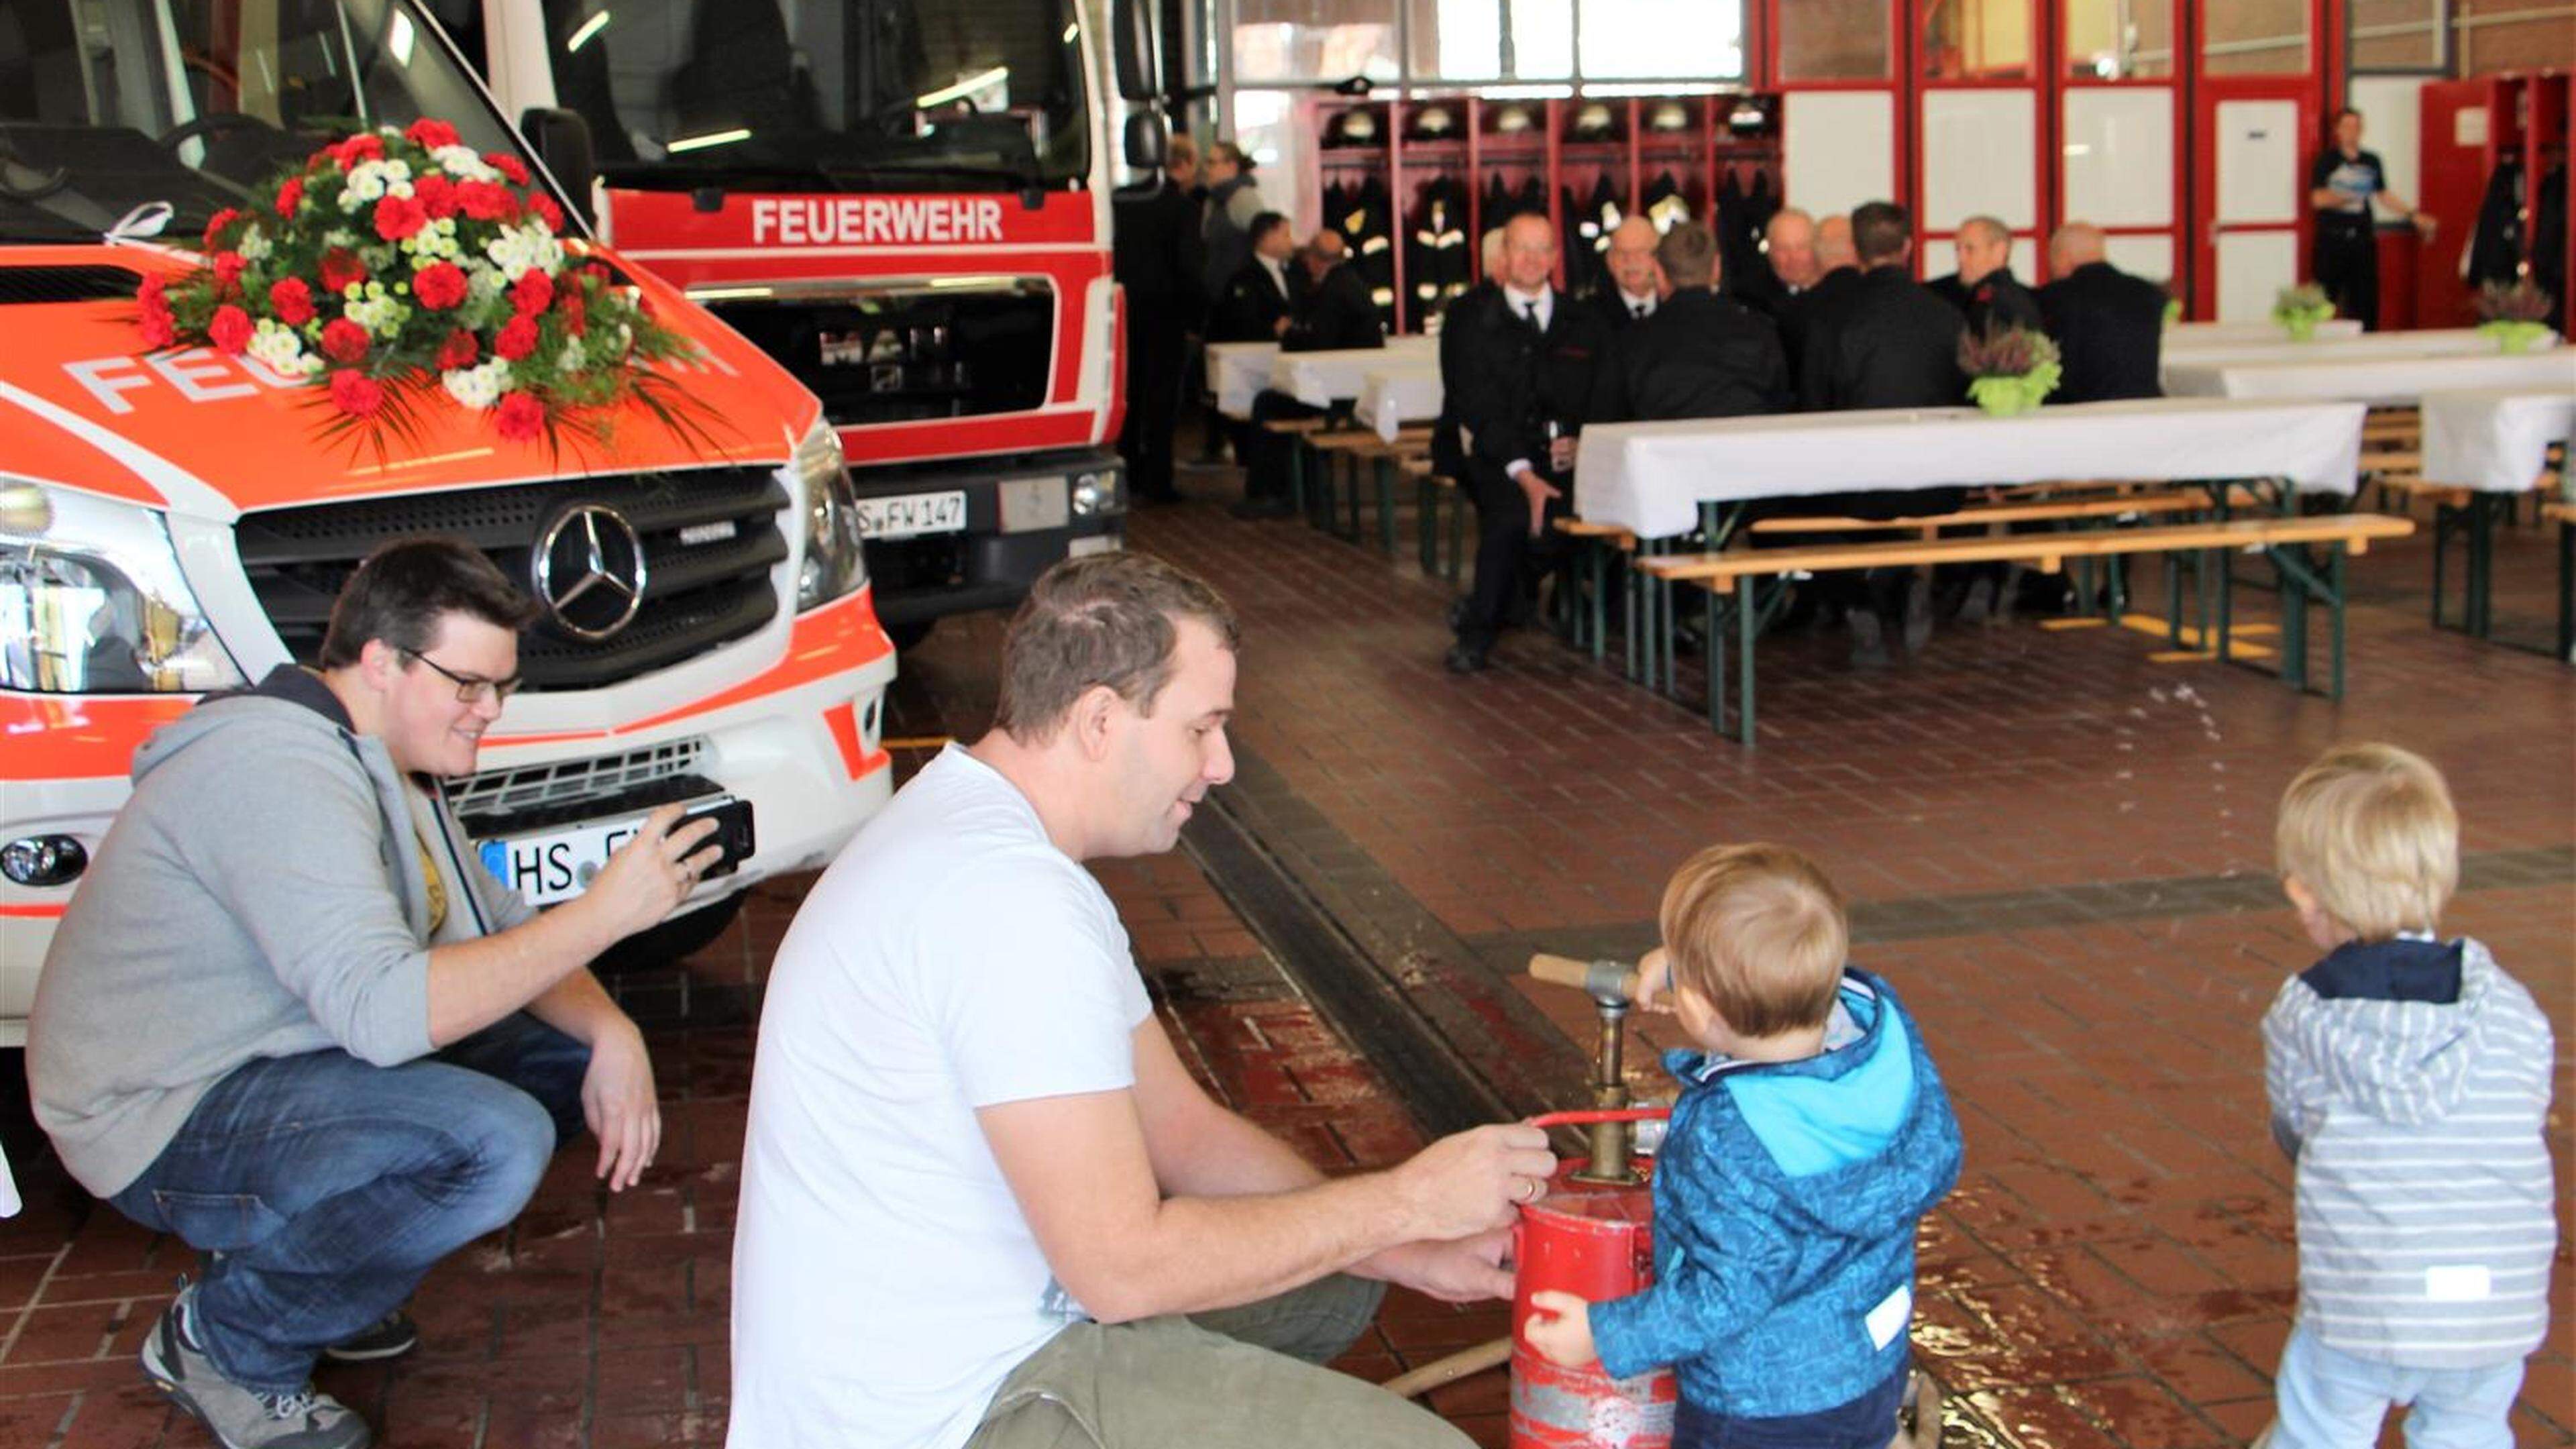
(471,688)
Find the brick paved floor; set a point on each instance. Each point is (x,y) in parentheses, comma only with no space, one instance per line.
(2057,847)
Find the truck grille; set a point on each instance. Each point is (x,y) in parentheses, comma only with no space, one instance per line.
(904,354)
(710,538)
(515,793)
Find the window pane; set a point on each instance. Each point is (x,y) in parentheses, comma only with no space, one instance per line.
(2256,37)
(1834,40)
(2119,39)
(1663,39)
(1462,40)
(1976,39)
(1305,40)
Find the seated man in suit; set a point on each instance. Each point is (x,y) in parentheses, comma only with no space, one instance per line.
(1700,355)
(1527,355)
(1984,288)
(2109,325)
(1836,266)
(1635,290)
(1329,309)
(1253,305)
(1448,451)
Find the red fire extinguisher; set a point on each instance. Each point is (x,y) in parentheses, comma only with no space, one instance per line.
(1596,1240)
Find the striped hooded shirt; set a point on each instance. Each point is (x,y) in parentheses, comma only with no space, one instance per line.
(2409,1080)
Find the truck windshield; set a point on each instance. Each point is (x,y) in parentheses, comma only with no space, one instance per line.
(825,95)
(108,106)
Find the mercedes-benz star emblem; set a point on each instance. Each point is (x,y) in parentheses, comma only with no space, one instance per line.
(588,569)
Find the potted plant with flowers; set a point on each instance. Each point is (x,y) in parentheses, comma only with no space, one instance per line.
(2515,314)
(2010,369)
(2299,309)
(399,270)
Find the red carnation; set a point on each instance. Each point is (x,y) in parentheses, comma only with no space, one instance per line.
(430,133)
(228,270)
(160,329)
(229,329)
(459,350)
(357,394)
(215,228)
(486,200)
(292,301)
(398,217)
(344,340)
(341,268)
(290,196)
(365,146)
(516,340)
(439,286)
(546,210)
(575,311)
(508,165)
(519,417)
(436,195)
(533,293)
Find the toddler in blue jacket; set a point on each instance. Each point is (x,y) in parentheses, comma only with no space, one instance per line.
(1810,1136)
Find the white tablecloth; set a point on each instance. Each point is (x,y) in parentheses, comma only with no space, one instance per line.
(2194,334)
(2433,342)
(1651,477)
(1321,379)
(2493,439)
(2386,381)
(1401,393)
(1236,371)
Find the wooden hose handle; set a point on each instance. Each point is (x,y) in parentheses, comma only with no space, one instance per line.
(1602,980)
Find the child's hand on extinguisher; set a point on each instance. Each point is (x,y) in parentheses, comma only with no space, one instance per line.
(1561,1328)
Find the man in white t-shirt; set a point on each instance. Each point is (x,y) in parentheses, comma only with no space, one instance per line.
(980,1191)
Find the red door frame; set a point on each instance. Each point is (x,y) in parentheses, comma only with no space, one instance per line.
(1896,85)
(2306,88)
(2184,43)
(2041,17)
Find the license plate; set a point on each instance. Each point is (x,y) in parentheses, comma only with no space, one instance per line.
(909,515)
(1097,543)
(551,866)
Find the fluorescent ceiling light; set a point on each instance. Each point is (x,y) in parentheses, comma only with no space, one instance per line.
(400,37)
(967,87)
(589,28)
(712,138)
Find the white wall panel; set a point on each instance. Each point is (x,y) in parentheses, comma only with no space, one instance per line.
(2262,161)
(2119,165)
(1979,157)
(2151,257)
(1839,149)
(2253,267)
(2392,124)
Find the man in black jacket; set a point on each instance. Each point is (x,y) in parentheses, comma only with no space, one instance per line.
(1156,258)
(1887,343)
(1984,289)
(1253,306)
(2109,326)
(1329,309)
(1700,355)
(1634,289)
(1837,272)
(1448,451)
(1527,355)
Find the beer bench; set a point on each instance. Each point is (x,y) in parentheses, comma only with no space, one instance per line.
(2285,540)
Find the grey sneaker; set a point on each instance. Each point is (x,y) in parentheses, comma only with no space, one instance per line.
(242,1418)
(391,1336)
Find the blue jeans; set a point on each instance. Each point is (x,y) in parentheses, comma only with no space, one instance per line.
(323,1189)
(2328,1399)
(1867,1422)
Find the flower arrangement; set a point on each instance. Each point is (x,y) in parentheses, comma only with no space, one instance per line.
(397,268)
(2300,309)
(2515,315)
(2009,368)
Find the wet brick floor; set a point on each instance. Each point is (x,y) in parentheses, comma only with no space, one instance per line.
(2056,845)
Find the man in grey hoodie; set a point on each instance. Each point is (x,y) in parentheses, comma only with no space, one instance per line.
(289,1018)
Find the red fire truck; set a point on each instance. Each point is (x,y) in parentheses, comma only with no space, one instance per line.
(906,202)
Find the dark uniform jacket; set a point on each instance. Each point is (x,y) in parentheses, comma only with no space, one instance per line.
(1334,311)
(1699,356)
(1998,298)
(1512,380)
(1802,315)
(1249,308)
(2110,329)
(1157,255)
(1448,454)
(1883,341)
(1612,304)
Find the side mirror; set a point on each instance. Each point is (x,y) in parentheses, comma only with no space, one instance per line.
(561,140)
(1148,141)
(1132,47)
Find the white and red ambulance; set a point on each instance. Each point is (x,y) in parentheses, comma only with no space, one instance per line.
(178,521)
(905,202)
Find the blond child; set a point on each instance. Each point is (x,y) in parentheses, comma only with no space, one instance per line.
(2408,1078)
(1811,1135)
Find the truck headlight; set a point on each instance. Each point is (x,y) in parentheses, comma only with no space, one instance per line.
(835,563)
(92,600)
(1102,492)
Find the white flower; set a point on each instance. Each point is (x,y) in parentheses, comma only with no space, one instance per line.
(461,163)
(570,360)
(480,386)
(254,245)
(518,248)
(373,181)
(377,312)
(275,344)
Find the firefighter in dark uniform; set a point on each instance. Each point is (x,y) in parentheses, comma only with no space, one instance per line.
(1329,309)
(2344,257)
(1635,290)
(1812,310)
(1984,289)
(1527,355)
(1448,452)
(1253,304)
(1700,355)
(2109,326)
(1156,256)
